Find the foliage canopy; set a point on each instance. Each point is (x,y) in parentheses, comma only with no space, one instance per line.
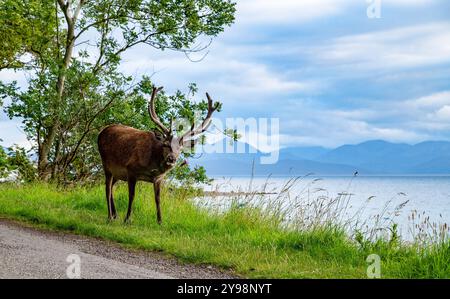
(72,50)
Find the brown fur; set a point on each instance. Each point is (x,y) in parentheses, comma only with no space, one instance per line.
(132,155)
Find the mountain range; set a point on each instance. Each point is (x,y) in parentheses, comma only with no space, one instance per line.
(376,157)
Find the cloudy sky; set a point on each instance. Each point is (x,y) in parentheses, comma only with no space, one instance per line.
(330,74)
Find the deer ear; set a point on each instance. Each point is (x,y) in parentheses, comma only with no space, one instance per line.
(158,136)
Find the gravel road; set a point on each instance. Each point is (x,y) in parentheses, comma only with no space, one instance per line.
(26,252)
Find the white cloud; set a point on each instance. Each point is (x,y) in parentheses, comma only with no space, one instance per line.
(443,114)
(434,100)
(429,114)
(287,11)
(410,121)
(253,77)
(226,76)
(409,2)
(330,130)
(407,47)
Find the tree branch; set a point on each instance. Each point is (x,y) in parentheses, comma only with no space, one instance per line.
(77,11)
(86,131)
(65,9)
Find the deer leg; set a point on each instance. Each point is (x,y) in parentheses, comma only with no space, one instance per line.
(157,190)
(113,206)
(108,185)
(131,189)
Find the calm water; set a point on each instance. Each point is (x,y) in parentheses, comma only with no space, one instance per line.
(429,194)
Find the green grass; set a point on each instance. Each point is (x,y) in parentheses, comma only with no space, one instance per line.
(242,240)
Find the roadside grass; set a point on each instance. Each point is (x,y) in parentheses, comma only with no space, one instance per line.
(244,240)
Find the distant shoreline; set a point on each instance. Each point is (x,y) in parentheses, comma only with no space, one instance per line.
(233,193)
(332,176)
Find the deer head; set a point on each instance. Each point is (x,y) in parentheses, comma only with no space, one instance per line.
(174,145)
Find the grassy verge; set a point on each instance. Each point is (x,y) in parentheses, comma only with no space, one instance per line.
(242,239)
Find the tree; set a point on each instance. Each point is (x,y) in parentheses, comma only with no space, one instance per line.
(4,163)
(16,159)
(67,93)
(26,27)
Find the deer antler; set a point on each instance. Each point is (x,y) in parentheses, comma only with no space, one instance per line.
(206,122)
(154,117)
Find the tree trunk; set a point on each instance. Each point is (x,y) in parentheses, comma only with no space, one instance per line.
(44,169)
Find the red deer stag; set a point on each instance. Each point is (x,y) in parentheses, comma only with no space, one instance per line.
(133,155)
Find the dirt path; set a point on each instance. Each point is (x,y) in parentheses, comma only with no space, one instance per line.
(31,253)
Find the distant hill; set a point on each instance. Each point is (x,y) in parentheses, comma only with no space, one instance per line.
(307,153)
(440,165)
(392,158)
(371,157)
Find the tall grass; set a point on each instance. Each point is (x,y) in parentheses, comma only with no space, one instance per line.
(250,238)
(296,204)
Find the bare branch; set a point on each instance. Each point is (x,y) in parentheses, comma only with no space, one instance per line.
(88,129)
(104,20)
